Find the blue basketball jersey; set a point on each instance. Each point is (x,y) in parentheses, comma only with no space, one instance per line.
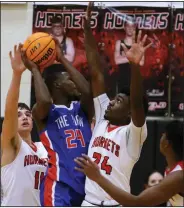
(66,136)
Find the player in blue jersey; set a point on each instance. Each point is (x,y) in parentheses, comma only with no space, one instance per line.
(63,124)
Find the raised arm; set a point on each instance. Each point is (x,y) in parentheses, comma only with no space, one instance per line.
(43,98)
(171,185)
(9,136)
(93,57)
(134,55)
(80,81)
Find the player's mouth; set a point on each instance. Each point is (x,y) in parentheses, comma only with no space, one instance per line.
(25,124)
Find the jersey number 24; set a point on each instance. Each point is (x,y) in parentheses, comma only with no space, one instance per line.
(72,136)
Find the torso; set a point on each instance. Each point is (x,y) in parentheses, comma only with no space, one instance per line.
(108,149)
(178,199)
(20,179)
(66,136)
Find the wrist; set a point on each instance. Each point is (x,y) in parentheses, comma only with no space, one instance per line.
(34,69)
(17,73)
(99,179)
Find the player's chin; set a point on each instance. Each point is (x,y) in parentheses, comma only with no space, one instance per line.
(25,128)
(106,115)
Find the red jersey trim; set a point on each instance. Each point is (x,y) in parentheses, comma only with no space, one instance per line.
(180,163)
(33,147)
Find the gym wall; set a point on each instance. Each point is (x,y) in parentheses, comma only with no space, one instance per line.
(16,25)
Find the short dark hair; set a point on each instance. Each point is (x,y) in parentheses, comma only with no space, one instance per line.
(56,19)
(174,134)
(126,91)
(23,106)
(50,74)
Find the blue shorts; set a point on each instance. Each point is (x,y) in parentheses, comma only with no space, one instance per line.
(58,194)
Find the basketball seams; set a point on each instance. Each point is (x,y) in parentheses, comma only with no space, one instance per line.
(49,60)
(36,40)
(42,50)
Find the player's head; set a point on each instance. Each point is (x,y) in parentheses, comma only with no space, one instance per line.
(129,27)
(25,121)
(152,178)
(118,110)
(57,26)
(59,82)
(171,143)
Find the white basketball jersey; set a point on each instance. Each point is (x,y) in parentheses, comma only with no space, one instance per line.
(115,149)
(20,180)
(176,200)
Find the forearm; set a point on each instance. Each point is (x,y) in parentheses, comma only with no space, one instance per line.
(13,96)
(122,197)
(11,110)
(69,57)
(136,88)
(41,91)
(76,76)
(92,54)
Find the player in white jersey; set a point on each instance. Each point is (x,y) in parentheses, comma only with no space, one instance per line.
(120,128)
(21,165)
(170,188)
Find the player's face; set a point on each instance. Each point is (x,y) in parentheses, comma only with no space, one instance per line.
(129,28)
(163,144)
(57,29)
(68,86)
(154,179)
(118,109)
(25,122)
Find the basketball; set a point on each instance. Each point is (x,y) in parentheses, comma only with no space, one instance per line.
(40,48)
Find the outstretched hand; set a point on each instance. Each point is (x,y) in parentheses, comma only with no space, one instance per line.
(88,167)
(27,62)
(16,61)
(137,50)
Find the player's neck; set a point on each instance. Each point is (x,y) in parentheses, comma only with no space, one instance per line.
(121,123)
(26,137)
(171,161)
(61,100)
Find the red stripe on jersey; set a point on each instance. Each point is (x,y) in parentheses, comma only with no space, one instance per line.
(33,147)
(111,128)
(52,171)
(48,192)
(180,163)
